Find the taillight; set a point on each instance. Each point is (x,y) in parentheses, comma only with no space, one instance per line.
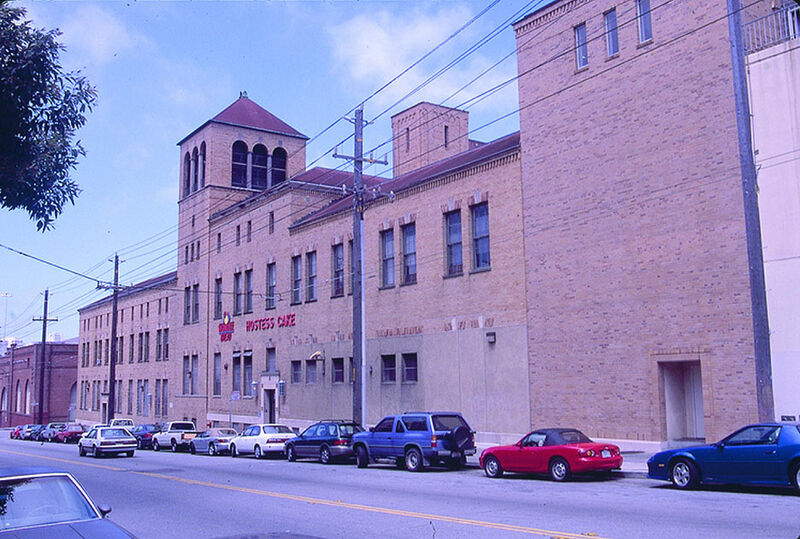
(586,452)
(222,440)
(340,442)
(433,441)
(275,441)
(148,435)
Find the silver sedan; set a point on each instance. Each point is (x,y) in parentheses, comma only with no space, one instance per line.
(213,441)
(101,441)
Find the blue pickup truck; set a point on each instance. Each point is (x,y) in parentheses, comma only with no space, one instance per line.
(416,440)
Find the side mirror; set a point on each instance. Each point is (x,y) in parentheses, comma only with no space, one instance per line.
(718,445)
(519,444)
(372,429)
(104,509)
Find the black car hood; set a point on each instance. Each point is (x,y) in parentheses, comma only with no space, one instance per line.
(87,529)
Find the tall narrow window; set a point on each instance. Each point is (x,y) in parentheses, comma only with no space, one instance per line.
(157,409)
(130,349)
(187,174)
(237,293)
(247,382)
(165,348)
(337,364)
(581,51)
(187,380)
(480,236)
(146,346)
(194,170)
(446,136)
(219,242)
(165,398)
(158,345)
(259,167)
(271,222)
(351,258)
(237,372)
(130,397)
(387,258)
(409,253)
(272,365)
(248,291)
(311,276)
(455,265)
(271,283)
(311,371)
(217,389)
(146,397)
(278,165)
(187,304)
(195,375)
(249,232)
(337,263)
(297,372)
(645,24)
(388,369)
(238,235)
(297,279)
(140,356)
(612,40)
(408,139)
(239,164)
(217,298)
(202,164)
(196,303)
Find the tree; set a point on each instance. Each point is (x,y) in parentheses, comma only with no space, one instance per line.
(41,108)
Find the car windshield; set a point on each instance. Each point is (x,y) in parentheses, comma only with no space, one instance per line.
(348,430)
(277,429)
(75,427)
(570,437)
(41,500)
(448,422)
(114,433)
(223,432)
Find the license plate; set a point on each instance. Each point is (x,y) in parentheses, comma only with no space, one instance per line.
(605,453)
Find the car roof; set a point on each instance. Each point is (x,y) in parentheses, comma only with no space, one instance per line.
(16,471)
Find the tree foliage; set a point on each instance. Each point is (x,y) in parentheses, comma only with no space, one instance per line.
(41,108)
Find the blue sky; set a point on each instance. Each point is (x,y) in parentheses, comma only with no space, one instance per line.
(163,68)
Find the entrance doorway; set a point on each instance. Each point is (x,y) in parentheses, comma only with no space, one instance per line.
(104,408)
(269,406)
(683,399)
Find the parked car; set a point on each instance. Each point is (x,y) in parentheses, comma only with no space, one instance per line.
(127,423)
(28,430)
(48,433)
(176,436)
(326,441)
(45,502)
(212,441)
(16,432)
(36,433)
(106,441)
(144,435)
(416,440)
(260,440)
(70,433)
(760,454)
(558,452)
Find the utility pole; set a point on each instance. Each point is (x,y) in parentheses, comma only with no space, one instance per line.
(44,321)
(359,336)
(5,295)
(113,352)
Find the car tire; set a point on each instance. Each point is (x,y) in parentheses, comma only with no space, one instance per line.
(414,460)
(683,474)
(234,451)
(138,443)
(492,467)
(291,454)
(212,451)
(81,451)
(559,470)
(257,452)
(795,476)
(192,449)
(156,447)
(129,454)
(362,459)
(460,438)
(173,446)
(95,453)
(325,455)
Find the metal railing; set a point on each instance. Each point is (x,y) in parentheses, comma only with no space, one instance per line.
(779,26)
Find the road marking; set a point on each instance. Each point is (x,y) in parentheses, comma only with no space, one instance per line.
(332,503)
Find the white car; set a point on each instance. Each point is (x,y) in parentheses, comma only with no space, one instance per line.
(261,440)
(107,441)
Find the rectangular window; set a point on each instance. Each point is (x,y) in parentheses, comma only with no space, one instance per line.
(191,252)
(248,374)
(158,345)
(237,372)
(352,259)
(272,365)
(237,293)
(106,352)
(157,409)
(388,371)
(338,370)
(166,305)
(271,222)
(195,375)
(581,50)
(140,356)
(645,24)
(186,376)
(146,346)
(217,389)
(218,298)
(409,367)
(297,372)
(297,280)
(337,265)
(196,303)
(130,397)
(187,305)
(409,232)
(446,136)
(249,231)
(271,284)
(165,347)
(612,39)
(130,349)
(311,371)
(186,255)
(146,397)
(238,235)
(165,398)
(139,397)
(120,350)
(219,242)
(387,258)
(248,291)
(311,276)
(452,220)
(480,236)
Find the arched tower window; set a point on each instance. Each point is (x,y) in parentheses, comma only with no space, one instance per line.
(278,166)
(259,167)
(187,171)
(203,164)
(4,401)
(27,397)
(239,164)
(194,170)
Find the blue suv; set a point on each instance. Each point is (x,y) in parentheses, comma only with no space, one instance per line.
(416,440)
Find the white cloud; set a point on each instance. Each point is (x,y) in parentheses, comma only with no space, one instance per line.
(98,35)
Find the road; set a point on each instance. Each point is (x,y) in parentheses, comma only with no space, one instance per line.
(180,495)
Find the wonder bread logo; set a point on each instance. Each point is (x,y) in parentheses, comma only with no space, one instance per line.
(226,328)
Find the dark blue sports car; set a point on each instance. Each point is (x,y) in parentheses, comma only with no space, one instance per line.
(762,454)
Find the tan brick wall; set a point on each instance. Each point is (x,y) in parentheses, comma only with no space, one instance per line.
(418,135)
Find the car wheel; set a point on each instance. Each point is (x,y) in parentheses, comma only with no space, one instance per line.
(257,452)
(234,451)
(212,451)
(81,451)
(559,469)
(138,443)
(414,460)
(683,474)
(325,455)
(156,447)
(492,468)
(291,455)
(362,459)
(192,449)
(795,477)
(95,452)
(129,453)
(174,446)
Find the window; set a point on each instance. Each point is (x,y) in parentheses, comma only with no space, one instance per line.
(480,236)
(191,252)
(196,303)
(187,381)
(271,227)
(337,264)
(385,425)
(238,234)
(409,233)
(248,374)
(387,258)
(249,234)
(388,372)
(311,371)
(272,365)
(130,397)
(248,291)
(297,372)
(259,167)
(120,349)
(278,166)
(311,276)
(297,280)
(194,374)
(157,410)
(186,255)
(130,349)
(271,283)
(146,346)
(338,370)
(187,170)
(219,242)
(645,24)
(409,367)
(140,355)
(237,372)
(352,265)
(453,241)
(612,39)
(218,298)
(187,305)
(581,51)
(165,347)
(237,293)
(239,164)
(202,166)
(146,397)
(446,136)
(165,398)
(194,170)
(217,389)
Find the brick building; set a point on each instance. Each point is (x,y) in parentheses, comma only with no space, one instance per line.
(19,383)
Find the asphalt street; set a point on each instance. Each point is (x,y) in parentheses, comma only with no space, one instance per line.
(180,495)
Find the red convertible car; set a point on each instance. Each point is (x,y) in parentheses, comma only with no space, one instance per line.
(558,452)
